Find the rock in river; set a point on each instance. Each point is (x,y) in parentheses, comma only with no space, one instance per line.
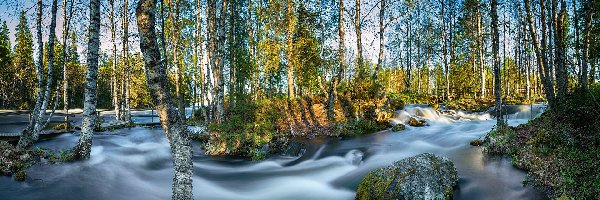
(417,122)
(425,176)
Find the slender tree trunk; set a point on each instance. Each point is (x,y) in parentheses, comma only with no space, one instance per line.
(559,41)
(163,39)
(220,115)
(175,129)
(66,27)
(481,58)
(84,146)
(358,31)
(527,62)
(49,80)
(115,85)
(233,68)
(200,51)
(381,31)
(583,81)
(31,133)
(452,46)
(445,51)
(418,64)
(126,68)
(543,70)
(175,39)
(408,78)
(576,40)
(496,60)
(505,66)
(212,55)
(335,80)
(289,50)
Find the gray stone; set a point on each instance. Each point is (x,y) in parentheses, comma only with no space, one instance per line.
(425,176)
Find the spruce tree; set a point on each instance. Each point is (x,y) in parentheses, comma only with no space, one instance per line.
(24,67)
(5,56)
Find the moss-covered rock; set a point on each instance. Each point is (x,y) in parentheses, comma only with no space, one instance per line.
(425,176)
(20,175)
(416,122)
(398,127)
(476,143)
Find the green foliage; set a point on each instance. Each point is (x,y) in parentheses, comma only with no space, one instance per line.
(20,175)
(5,46)
(399,99)
(307,61)
(61,156)
(357,127)
(374,186)
(18,71)
(560,148)
(398,127)
(470,104)
(250,126)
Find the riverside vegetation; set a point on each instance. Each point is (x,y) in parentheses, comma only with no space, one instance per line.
(560,149)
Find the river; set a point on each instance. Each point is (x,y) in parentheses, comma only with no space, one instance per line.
(136,164)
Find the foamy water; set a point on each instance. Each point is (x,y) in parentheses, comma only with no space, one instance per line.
(136,164)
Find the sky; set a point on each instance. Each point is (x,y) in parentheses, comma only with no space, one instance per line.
(10,10)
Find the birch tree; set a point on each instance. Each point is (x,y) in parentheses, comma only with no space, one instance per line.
(335,80)
(496,61)
(36,124)
(84,146)
(65,35)
(175,130)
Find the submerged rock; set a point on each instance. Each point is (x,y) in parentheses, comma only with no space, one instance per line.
(398,127)
(20,175)
(416,122)
(425,176)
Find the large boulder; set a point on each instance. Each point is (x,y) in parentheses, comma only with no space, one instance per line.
(425,176)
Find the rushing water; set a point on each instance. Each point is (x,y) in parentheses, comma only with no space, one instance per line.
(136,164)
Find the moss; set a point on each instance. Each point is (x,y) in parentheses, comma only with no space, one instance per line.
(20,175)
(415,122)
(62,126)
(466,104)
(476,143)
(449,193)
(17,166)
(258,155)
(398,127)
(373,187)
(561,149)
(62,156)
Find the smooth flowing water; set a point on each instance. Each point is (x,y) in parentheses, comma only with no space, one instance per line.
(136,164)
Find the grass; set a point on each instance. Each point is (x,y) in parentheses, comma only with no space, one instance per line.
(560,149)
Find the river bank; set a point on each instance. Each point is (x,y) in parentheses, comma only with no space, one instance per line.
(560,149)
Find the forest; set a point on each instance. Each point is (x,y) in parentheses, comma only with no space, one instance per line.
(270,93)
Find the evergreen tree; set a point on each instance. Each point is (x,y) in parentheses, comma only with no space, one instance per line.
(5,61)
(24,67)
(5,56)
